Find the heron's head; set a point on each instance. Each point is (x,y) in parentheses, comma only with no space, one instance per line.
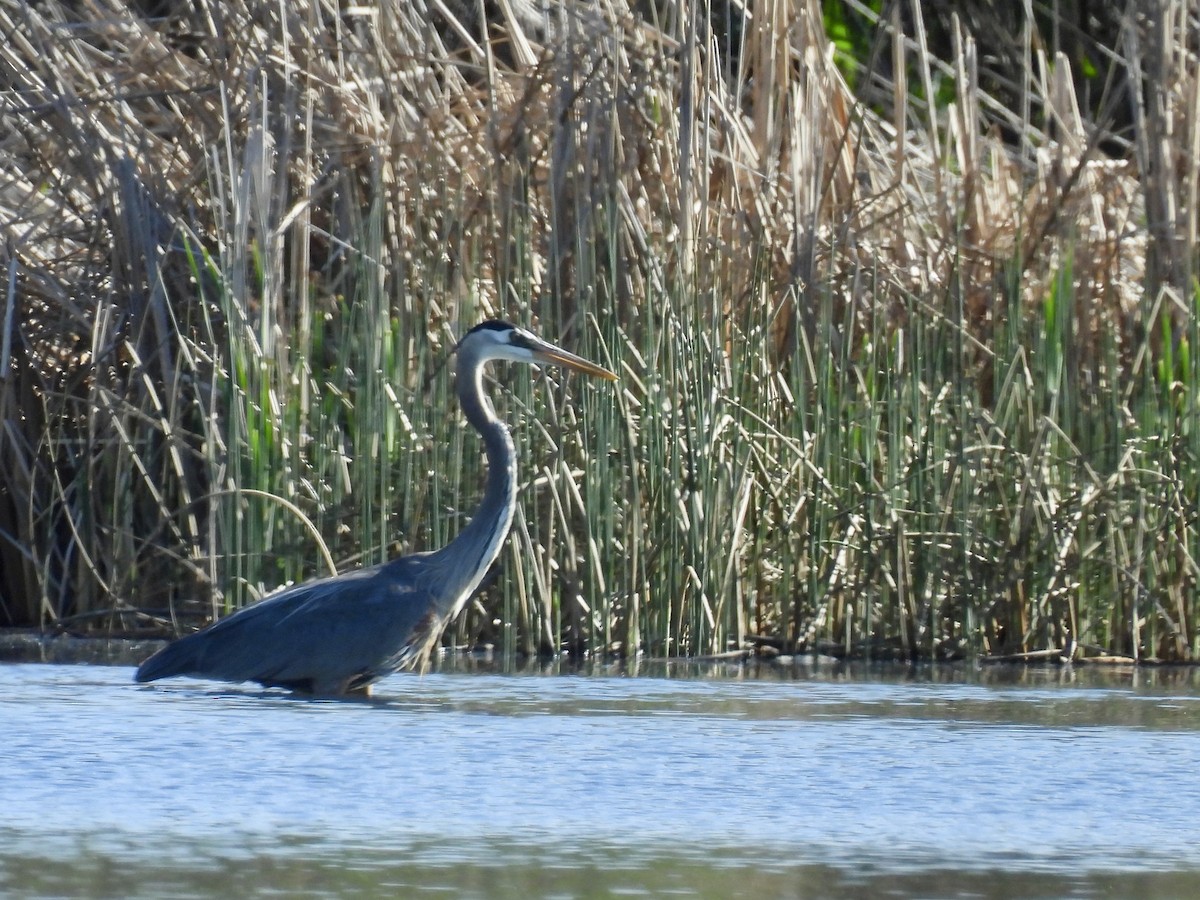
(496,339)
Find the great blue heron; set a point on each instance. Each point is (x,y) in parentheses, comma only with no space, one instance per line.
(339,635)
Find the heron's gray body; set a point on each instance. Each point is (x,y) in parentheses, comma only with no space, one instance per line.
(377,611)
(339,635)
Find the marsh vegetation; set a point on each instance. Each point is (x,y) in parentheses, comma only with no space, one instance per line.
(904,304)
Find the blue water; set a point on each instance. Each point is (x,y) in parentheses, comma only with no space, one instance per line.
(492,785)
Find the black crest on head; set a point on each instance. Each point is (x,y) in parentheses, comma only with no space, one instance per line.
(495,325)
(492,325)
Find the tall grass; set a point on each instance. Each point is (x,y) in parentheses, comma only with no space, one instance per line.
(908,367)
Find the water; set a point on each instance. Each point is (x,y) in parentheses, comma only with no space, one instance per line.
(484,785)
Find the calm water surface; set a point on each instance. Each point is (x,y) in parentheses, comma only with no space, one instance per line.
(927,784)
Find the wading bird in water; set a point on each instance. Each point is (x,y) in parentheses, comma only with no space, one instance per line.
(340,635)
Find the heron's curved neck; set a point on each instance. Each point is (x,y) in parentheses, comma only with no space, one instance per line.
(476,547)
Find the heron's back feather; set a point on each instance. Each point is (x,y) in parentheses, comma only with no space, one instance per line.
(324,636)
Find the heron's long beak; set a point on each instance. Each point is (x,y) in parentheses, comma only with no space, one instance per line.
(548,353)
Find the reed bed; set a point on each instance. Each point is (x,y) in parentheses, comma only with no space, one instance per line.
(907,331)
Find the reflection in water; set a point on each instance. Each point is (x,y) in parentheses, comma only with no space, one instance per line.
(798,782)
(317,871)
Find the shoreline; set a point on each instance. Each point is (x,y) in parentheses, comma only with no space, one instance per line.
(19,645)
